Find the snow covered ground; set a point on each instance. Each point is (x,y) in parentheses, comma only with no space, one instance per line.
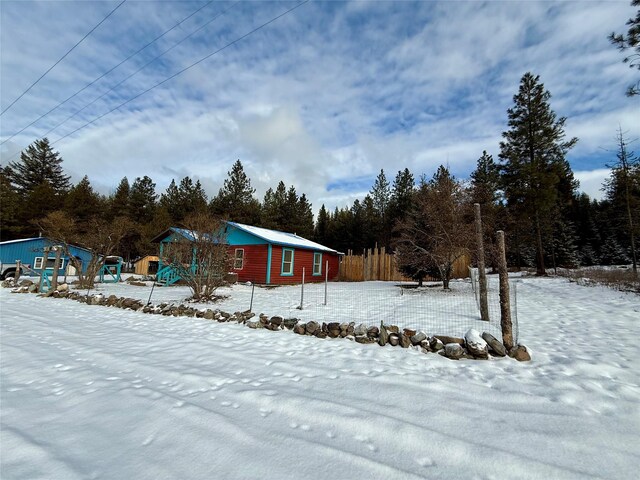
(91,392)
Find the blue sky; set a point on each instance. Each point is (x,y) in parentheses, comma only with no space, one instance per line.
(322,98)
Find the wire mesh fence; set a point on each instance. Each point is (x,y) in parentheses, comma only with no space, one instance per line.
(429,308)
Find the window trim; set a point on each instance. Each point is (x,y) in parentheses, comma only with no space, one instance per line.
(235,259)
(319,264)
(50,262)
(282,270)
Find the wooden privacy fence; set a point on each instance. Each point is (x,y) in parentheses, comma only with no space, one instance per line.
(377,264)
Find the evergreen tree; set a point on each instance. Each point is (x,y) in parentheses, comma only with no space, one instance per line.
(402,193)
(183,200)
(83,203)
(320,232)
(623,192)
(304,217)
(9,207)
(381,197)
(142,200)
(533,157)
(38,164)
(630,41)
(273,208)
(235,199)
(119,201)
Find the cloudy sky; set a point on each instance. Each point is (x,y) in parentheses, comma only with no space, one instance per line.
(322,98)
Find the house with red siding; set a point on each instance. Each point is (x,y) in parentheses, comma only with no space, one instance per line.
(264,256)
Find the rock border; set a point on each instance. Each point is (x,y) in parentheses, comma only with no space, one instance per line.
(472,346)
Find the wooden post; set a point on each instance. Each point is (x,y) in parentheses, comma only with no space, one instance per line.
(56,267)
(484,304)
(302,291)
(16,275)
(45,252)
(505,307)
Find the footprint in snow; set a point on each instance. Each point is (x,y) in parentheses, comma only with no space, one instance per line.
(425,462)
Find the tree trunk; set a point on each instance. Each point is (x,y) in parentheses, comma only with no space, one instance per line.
(484,304)
(505,305)
(540,270)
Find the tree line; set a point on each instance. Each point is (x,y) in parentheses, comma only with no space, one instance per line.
(529,191)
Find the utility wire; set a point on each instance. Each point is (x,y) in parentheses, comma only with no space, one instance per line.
(141,68)
(62,58)
(186,68)
(106,73)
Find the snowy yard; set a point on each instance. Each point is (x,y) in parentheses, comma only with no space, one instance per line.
(92,392)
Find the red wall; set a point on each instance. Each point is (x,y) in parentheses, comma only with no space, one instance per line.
(255,265)
(301,259)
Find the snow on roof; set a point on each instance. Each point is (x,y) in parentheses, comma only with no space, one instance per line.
(19,240)
(282,238)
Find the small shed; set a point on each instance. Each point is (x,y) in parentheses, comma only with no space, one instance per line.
(30,252)
(146,265)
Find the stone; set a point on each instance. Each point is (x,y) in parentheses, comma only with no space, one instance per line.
(476,346)
(383,338)
(33,288)
(436,344)
(453,351)
(351,330)
(520,353)
(393,329)
(333,329)
(446,339)
(63,287)
(299,329)
(417,338)
(408,332)
(495,346)
(276,320)
(394,339)
(405,341)
(208,314)
(28,283)
(425,345)
(290,323)
(312,327)
(360,330)
(320,334)
(251,324)
(373,332)
(364,339)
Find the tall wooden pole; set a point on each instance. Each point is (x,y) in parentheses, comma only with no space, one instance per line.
(45,252)
(484,304)
(56,267)
(505,306)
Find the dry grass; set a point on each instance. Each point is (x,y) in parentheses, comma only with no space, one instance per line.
(618,278)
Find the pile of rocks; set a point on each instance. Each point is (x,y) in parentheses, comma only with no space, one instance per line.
(473,346)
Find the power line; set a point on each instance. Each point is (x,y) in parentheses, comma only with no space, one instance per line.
(186,68)
(141,68)
(62,58)
(105,73)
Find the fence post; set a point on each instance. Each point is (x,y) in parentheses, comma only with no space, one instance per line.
(505,306)
(56,267)
(253,285)
(484,304)
(302,290)
(16,275)
(326,280)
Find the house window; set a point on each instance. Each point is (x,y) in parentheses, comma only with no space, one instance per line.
(317,263)
(38,262)
(287,261)
(238,261)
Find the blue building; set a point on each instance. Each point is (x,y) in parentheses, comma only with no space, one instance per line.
(30,252)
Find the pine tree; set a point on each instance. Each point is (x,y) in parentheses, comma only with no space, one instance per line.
(381,196)
(183,200)
(9,207)
(235,199)
(630,41)
(83,203)
(401,200)
(38,164)
(119,201)
(533,157)
(273,205)
(623,192)
(320,232)
(142,200)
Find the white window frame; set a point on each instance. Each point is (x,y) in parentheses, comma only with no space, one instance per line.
(39,261)
(317,271)
(236,258)
(289,271)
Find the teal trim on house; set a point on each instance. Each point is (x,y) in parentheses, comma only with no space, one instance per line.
(268,279)
(284,256)
(235,236)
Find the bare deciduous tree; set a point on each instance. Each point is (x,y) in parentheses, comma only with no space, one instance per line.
(201,257)
(439,229)
(101,239)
